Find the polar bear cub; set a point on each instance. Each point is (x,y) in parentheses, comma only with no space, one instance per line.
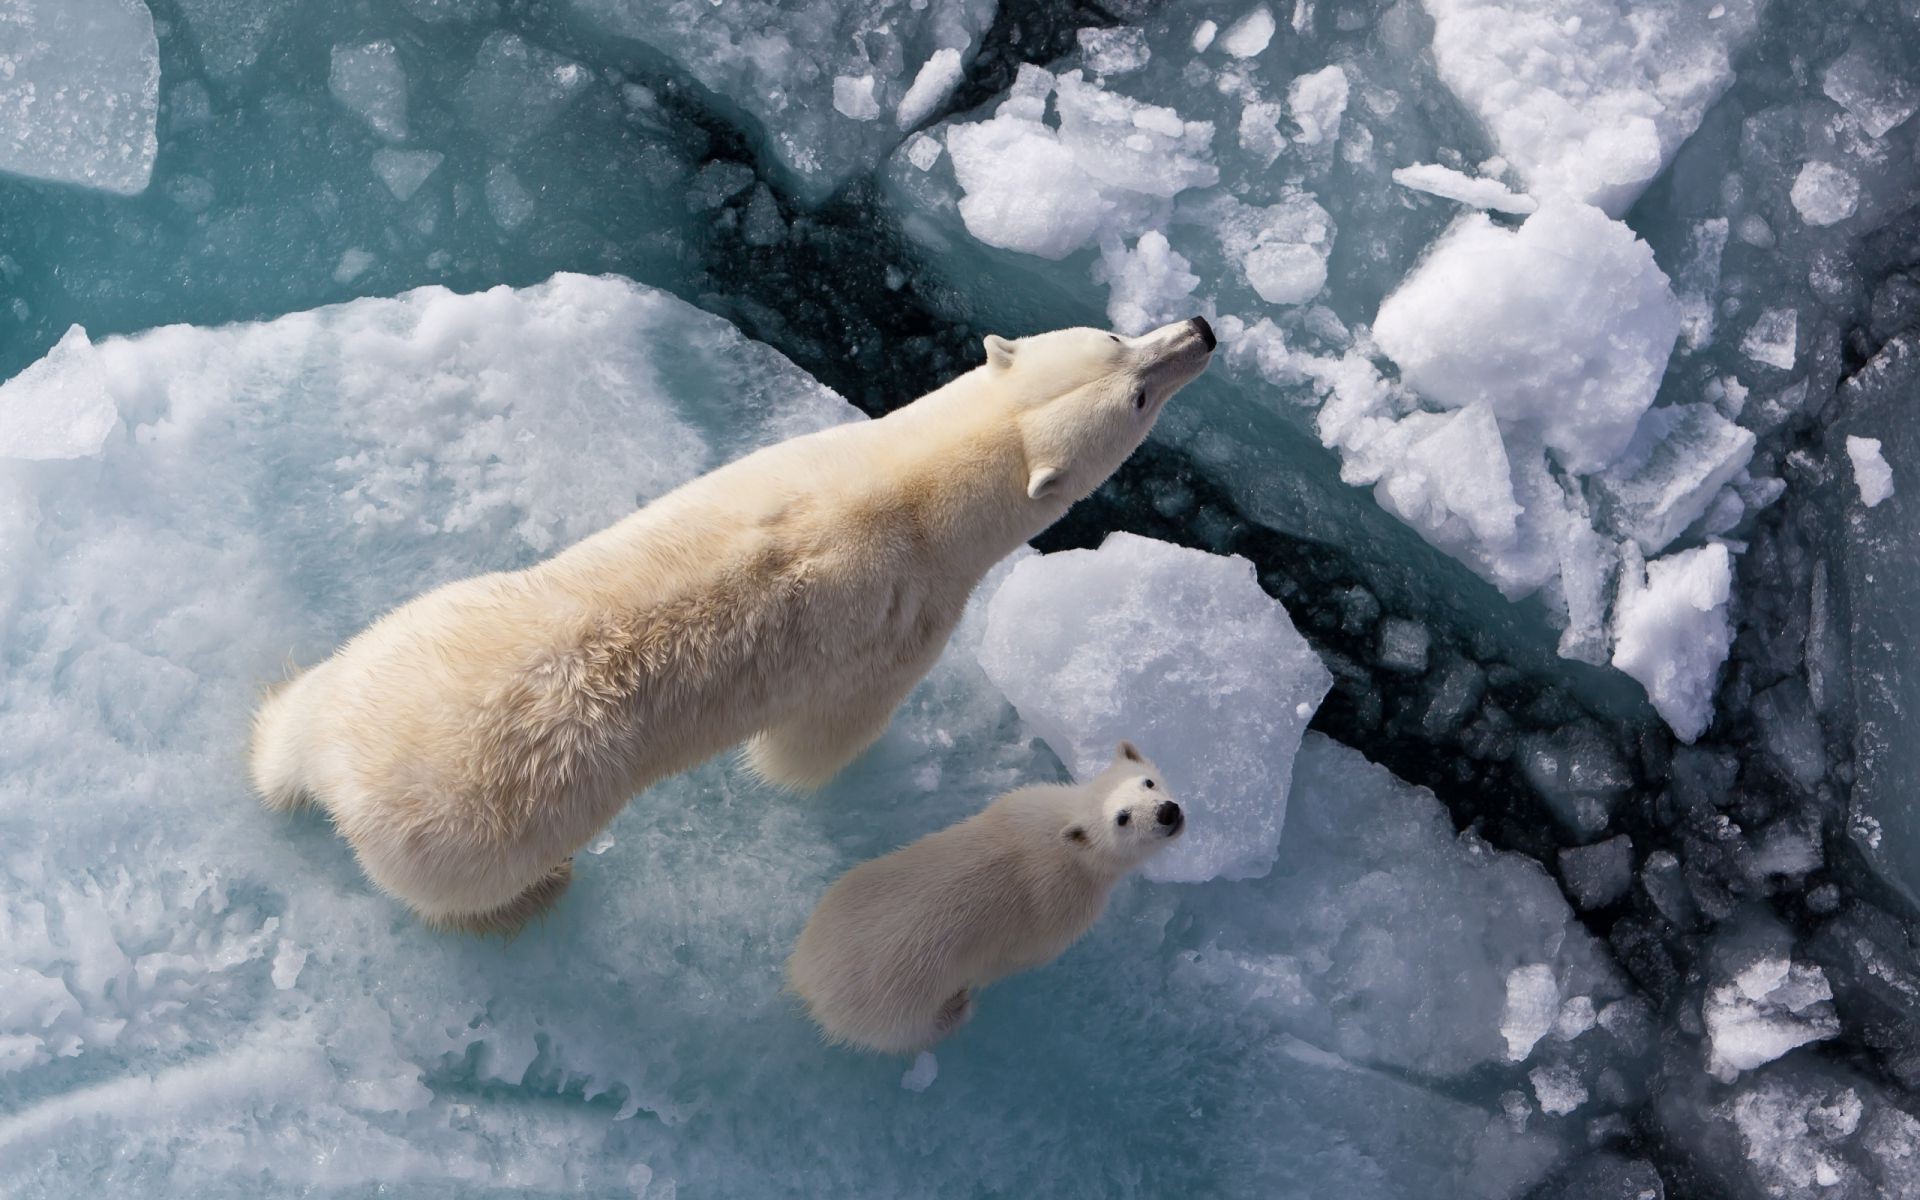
(890,959)
(469,741)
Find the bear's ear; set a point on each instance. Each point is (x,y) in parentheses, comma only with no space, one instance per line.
(1077,834)
(1130,752)
(1043,480)
(999,352)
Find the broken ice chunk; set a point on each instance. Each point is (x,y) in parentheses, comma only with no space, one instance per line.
(1589,99)
(370,80)
(1671,632)
(1249,35)
(403,171)
(79,92)
(1115,51)
(1403,645)
(1578,773)
(1598,875)
(60,406)
(1871,474)
(1558,1089)
(1767,1009)
(1880,98)
(853,97)
(1180,651)
(938,76)
(1773,337)
(1148,286)
(1533,1002)
(1679,459)
(1317,101)
(507,198)
(1824,194)
(1563,326)
(1450,184)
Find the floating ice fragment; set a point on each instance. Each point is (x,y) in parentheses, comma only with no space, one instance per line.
(1403,645)
(922,1073)
(1249,35)
(288,961)
(1450,184)
(1148,286)
(1871,474)
(1772,338)
(1881,99)
(1203,35)
(1769,1008)
(1180,651)
(1533,1002)
(507,198)
(59,407)
(1671,632)
(1563,326)
(353,263)
(1824,194)
(79,92)
(853,97)
(371,81)
(1116,51)
(1558,1089)
(938,76)
(1317,101)
(1679,459)
(1589,99)
(403,171)
(1598,875)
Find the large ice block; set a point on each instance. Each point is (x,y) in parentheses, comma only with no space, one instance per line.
(1181,652)
(79,92)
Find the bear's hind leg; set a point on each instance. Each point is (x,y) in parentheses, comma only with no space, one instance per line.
(807,750)
(513,916)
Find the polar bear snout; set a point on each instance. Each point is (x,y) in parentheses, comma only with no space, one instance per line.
(1199,325)
(1169,817)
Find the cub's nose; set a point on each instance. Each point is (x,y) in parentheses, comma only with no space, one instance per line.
(1205,331)
(1168,813)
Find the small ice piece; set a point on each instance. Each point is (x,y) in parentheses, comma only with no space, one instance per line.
(1589,99)
(1879,98)
(288,961)
(1767,1009)
(353,263)
(924,151)
(1563,327)
(1249,35)
(1790,731)
(1772,338)
(403,171)
(507,198)
(1282,248)
(1871,474)
(1598,875)
(1450,184)
(370,81)
(79,92)
(1824,194)
(59,407)
(1203,35)
(1579,774)
(1679,460)
(1533,1002)
(1183,653)
(853,97)
(1558,1089)
(1671,632)
(1148,285)
(938,76)
(1317,101)
(517,89)
(1403,645)
(1117,51)
(922,1073)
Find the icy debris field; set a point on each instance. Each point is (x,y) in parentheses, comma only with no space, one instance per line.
(1523,604)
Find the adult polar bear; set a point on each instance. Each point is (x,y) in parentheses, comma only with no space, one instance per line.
(467,743)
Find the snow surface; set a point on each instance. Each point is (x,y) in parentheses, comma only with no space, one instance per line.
(79,92)
(1180,652)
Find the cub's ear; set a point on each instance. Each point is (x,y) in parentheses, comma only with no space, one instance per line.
(1130,752)
(1043,480)
(1077,834)
(999,352)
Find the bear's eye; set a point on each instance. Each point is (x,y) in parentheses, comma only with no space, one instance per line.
(1146,783)
(1123,818)
(1114,338)
(1140,399)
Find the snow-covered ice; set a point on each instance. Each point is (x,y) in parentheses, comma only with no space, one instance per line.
(60,407)
(1181,652)
(79,92)
(1446,182)
(1672,632)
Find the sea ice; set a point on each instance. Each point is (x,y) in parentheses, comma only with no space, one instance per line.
(1824,194)
(1181,652)
(1678,461)
(1446,182)
(1766,1010)
(1563,327)
(79,92)
(1588,99)
(1871,474)
(1671,632)
(60,407)
(371,81)
(1598,875)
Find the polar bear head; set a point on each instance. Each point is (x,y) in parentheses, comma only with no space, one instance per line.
(1084,399)
(1126,814)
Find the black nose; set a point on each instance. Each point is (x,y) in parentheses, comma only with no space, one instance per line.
(1205,331)
(1168,813)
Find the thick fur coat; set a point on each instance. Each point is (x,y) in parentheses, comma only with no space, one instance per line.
(469,741)
(890,959)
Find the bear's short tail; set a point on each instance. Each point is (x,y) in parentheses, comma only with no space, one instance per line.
(274,757)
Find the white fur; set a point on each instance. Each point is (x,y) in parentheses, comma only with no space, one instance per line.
(468,742)
(890,959)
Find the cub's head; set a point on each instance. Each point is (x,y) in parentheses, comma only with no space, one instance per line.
(1128,814)
(1085,399)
